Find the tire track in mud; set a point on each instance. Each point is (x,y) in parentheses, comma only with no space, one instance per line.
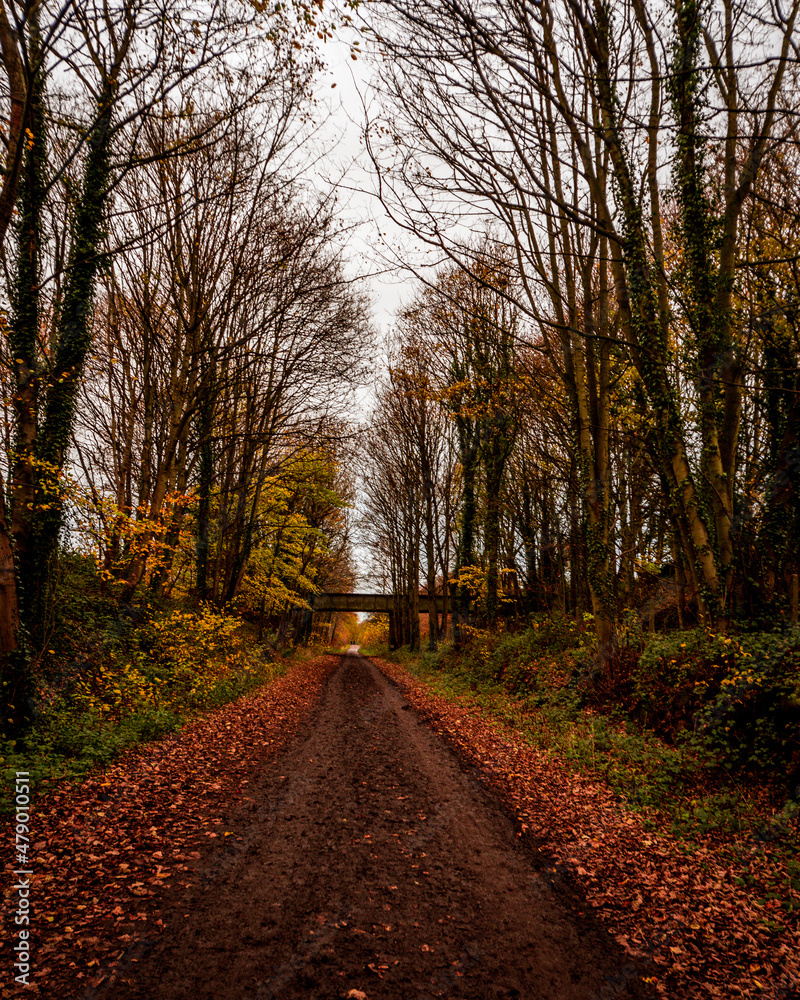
(370,860)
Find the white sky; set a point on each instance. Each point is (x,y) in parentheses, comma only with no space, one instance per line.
(376,241)
(343,161)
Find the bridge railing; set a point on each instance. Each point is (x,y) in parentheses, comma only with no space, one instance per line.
(382,603)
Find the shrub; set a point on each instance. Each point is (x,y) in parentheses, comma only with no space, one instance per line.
(193,650)
(675,674)
(754,718)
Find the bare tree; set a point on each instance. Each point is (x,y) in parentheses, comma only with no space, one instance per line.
(228,325)
(495,106)
(113,70)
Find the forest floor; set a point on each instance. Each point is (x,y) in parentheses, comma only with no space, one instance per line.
(318,839)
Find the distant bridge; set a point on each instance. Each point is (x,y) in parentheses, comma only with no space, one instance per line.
(383,603)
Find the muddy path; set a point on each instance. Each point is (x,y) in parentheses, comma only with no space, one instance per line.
(369,860)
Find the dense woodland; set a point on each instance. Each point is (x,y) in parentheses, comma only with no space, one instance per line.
(601,382)
(586,444)
(589,411)
(581,446)
(179,335)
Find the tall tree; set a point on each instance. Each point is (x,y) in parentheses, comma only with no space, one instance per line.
(491,103)
(117,68)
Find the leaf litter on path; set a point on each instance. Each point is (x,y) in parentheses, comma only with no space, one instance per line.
(105,852)
(707,936)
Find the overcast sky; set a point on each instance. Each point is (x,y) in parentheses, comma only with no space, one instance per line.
(345,88)
(374,241)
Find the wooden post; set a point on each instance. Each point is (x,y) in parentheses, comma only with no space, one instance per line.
(793,599)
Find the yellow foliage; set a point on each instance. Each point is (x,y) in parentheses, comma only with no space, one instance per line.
(296,510)
(196,647)
(112,689)
(105,527)
(186,656)
(473,578)
(374,631)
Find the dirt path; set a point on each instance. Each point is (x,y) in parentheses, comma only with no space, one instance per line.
(371,861)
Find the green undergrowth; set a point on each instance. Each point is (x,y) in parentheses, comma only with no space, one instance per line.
(698,732)
(375,649)
(113,678)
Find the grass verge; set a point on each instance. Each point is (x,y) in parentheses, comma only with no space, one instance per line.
(132,682)
(683,786)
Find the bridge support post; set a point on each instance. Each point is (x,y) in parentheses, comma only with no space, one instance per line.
(392,631)
(306,626)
